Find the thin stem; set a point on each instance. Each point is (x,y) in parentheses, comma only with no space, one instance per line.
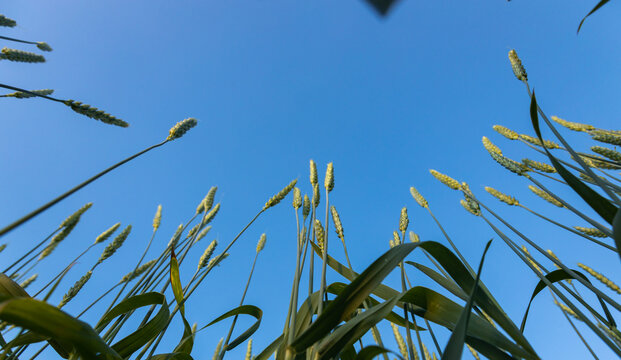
(31,250)
(78,187)
(18,40)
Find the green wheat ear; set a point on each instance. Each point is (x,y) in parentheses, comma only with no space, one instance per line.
(609,153)
(329,180)
(544,195)
(535,141)
(5,21)
(280,195)
(489,146)
(313,173)
(601,278)
(94,113)
(572,125)
(106,234)
(338,226)
(606,137)
(207,202)
(157,219)
(502,197)
(445,179)
(517,67)
(320,235)
(44,46)
(75,289)
(591,231)
(418,197)
(506,132)
(261,243)
(181,128)
(205,258)
(539,166)
(297,198)
(139,271)
(249,350)
(21,56)
(25,95)
(404,221)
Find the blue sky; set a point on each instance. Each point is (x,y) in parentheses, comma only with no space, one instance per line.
(276,83)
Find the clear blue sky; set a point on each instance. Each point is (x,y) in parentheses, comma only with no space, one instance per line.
(276,83)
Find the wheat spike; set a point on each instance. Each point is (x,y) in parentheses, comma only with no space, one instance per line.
(181,128)
(403,349)
(567,310)
(94,113)
(57,240)
(26,95)
(75,217)
(426,355)
(535,141)
(489,146)
(280,196)
(320,235)
(297,198)
(404,221)
(557,259)
(203,233)
(338,226)
(414,237)
(106,234)
(572,125)
(609,153)
(21,56)
(396,239)
(502,197)
(313,173)
(544,195)
(207,202)
(418,197)
(601,278)
(445,179)
(528,257)
(75,289)
(115,244)
(139,271)
(305,206)
(44,46)
(217,260)
(218,348)
(28,281)
(470,208)
(329,180)
(591,231)
(249,350)
(511,165)
(261,243)
(516,65)
(506,132)
(473,352)
(205,258)
(606,137)
(316,195)
(539,166)
(5,21)
(488,318)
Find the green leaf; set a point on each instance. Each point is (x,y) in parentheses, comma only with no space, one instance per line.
(560,275)
(616,229)
(371,351)
(49,321)
(455,346)
(382,6)
(270,349)
(145,333)
(600,204)
(187,339)
(599,5)
(440,280)
(354,329)
(251,310)
(175,281)
(352,296)
(441,310)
